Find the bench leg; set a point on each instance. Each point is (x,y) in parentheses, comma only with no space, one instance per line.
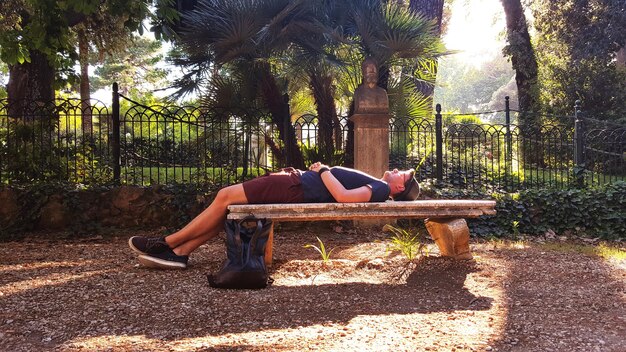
(268,247)
(451,236)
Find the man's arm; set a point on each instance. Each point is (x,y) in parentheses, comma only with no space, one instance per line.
(338,191)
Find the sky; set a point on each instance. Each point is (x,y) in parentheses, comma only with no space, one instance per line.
(476,33)
(476,30)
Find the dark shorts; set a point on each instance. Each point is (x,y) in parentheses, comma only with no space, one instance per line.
(277,187)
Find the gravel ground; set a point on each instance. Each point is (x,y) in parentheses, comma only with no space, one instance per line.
(91,294)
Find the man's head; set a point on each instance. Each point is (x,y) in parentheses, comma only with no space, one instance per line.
(370,72)
(403,185)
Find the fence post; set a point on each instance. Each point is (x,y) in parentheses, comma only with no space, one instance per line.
(115,137)
(289,153)
(508,141)
(579,147)
(439,143)
(509,144)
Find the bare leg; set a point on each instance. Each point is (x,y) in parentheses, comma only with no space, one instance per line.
(191,245)
(208,223)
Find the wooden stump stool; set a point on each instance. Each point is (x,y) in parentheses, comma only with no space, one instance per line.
(451,236)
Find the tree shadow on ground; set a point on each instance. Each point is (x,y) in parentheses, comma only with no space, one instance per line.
(51,308)
(52,296)
(552,302)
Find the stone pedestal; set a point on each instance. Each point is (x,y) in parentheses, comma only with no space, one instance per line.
(371,143)
(371,150)
(451,236)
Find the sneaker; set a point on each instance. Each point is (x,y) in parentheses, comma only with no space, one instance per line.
(148,245)
(164,260)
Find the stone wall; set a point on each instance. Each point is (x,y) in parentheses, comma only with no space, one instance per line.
(120,207)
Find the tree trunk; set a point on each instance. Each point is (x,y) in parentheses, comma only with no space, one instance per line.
(279,110)
(85,96)
(348,159)
(30,82)
(522,56)
(432,10)
(321,86)
(30,96)
(525,65)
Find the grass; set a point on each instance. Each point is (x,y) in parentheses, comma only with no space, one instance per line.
(148,175)
(558,173)
(610,252)
(603,249)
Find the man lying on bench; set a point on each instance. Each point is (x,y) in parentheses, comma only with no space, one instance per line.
(320,184)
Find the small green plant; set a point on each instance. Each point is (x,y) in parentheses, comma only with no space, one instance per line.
(321,249)
(405,242)
(515,225)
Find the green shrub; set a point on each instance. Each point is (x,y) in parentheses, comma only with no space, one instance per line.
(594,212)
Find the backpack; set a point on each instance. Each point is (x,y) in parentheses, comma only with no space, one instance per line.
(245,249)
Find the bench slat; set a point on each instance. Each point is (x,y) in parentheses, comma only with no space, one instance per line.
(349,211)
(360,216)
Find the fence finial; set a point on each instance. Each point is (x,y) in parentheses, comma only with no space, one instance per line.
(577,109)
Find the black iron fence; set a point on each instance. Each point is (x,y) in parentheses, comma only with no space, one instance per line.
(62,140)
(161,145)
(130,143)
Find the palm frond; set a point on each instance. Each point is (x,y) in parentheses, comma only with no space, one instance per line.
(228,28)
(405,100)
(408,35)
(196,71)
(234,86)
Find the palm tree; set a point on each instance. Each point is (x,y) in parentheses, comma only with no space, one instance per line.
(392,35)
(311,64)
(318,42)
(354,30)
(231,34)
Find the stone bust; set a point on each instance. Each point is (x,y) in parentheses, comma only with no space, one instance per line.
(369,98)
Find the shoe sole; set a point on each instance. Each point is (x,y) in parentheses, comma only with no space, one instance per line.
(152,262)
(130,244)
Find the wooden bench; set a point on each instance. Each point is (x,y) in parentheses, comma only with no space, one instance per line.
(445,219)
